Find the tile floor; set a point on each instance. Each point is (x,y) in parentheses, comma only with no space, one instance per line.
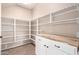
(28,49)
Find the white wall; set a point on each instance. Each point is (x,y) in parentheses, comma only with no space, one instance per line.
(14,11)
(45,8)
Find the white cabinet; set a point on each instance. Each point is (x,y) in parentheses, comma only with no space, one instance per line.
(69,49)
(40,49)
(46,46)
(54,51)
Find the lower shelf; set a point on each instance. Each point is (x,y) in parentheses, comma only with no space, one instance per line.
(32,39)
(14,44)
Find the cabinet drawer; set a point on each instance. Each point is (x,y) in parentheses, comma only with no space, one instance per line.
(69,49)
(42,40)
(65,47)
(57,45)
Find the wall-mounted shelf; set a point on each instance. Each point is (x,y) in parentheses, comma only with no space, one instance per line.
(59,20)
(6,24)
(13,30)
(33,25)
(44,24)
(22,35)
(35,30)
(12,42)
(7,43)
(7,37)
(67,15)
(44,20)
(22,25)
(65,11)
(65,21)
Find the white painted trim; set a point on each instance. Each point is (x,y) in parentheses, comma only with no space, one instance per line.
(37,27)
(29,29)
(50,17)
(14,30)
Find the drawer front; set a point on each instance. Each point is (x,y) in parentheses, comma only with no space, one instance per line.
(69,49)
(41,40)
(65,47)
(58,45)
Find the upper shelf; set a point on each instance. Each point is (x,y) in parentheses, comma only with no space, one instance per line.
(20,22)
(45,19)
(7,21)
(64,16)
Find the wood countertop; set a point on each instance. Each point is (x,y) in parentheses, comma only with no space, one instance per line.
(69,40)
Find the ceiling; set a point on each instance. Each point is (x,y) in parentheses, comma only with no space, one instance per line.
(28,6)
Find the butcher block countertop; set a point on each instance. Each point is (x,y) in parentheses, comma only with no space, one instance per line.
(69,40)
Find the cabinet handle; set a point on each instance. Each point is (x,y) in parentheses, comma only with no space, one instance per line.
(57,46)
(0,36)
(47,46)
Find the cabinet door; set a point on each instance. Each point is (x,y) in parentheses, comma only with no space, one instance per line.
(40,49)
(71,50)
(40,46)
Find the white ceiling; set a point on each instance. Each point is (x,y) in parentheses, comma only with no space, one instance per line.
(28,6)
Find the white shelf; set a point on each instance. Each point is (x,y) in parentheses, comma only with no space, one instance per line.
(21,25)
(12,26)
(43,24)
(22,30)
(66,10)
(75,20)
(13,42)
(7,42)
(7,31)
(21,40)
(33,34)
(65,21)
(35,30)
(7,37)
(23,35)
(34,25)
(6,24)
